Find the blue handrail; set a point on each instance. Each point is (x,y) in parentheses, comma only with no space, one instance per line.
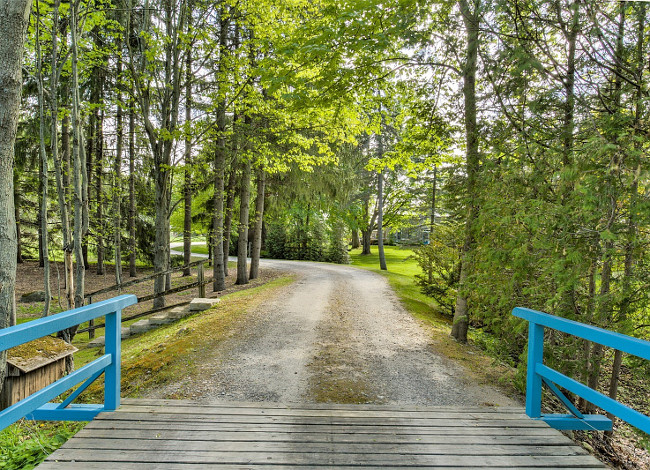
(37,406)
(539,373)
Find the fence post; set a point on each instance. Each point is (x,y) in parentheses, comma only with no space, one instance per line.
(200,279)
(91,323)
(113,347)
(533,380)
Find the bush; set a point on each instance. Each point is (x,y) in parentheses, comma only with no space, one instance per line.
(276,240)
(337,251)
(26,444)
(440,265)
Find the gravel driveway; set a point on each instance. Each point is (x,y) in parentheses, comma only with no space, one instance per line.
(338,334)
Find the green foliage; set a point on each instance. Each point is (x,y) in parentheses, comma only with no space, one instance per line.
(276,241)
(25,444)
(440,263)
(337,250)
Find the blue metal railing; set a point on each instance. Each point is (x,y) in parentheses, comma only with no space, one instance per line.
(539,374)
(37,406)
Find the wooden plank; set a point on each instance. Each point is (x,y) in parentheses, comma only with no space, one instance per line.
(332,459)
(270,449)
(163,416)
(313,406)
(49,465)
(402,448)
(232,411)
(397,430)
(155,433)
(180,435)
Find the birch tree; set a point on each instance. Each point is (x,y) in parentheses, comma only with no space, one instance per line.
(14,18)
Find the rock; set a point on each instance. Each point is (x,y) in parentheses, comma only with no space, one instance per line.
(178,313)
(97,342)
(36,296)
(126,332)
(140,327)
(160,319)
(199,304)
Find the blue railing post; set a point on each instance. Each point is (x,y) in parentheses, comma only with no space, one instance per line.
(113,347)
(38,405)
(539,373)
(533,380)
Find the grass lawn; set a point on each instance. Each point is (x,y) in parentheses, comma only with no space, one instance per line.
(200,249)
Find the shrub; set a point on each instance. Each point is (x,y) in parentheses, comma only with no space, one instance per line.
(440,265)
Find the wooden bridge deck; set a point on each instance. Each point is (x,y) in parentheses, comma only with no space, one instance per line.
(168,434)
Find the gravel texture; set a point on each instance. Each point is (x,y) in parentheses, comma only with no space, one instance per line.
(338,334)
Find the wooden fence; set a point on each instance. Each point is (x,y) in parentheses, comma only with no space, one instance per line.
(200,283)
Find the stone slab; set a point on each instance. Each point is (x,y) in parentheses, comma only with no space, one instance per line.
(140,326)
(199,304)
(178,313)
(160,319)
(97,342)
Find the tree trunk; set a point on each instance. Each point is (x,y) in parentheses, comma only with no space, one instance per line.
(471,20)
(99,176)
(227,231)
(161,228)
(173,17)
(14,17)
(39,219)
(61,177)
(355,239)
(366,232)
(187,214)
(210,246)
(380,221)
(432,220)
(117,178)
(365,241)
(80,176)
(219,277)
(66,159)
(380,205)
(132,254)
(242,243)
(259,219)
(218,270)
(87,163)
(187,189)
(19,249)
(44,169)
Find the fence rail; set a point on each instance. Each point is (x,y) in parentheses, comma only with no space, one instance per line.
(134,282)
(539,374)
(201,282)
(37,405)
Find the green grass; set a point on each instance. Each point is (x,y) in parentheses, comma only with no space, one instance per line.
(196,238)
(25,444)
(200,249)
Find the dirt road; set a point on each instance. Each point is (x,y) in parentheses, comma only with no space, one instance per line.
(338,334)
